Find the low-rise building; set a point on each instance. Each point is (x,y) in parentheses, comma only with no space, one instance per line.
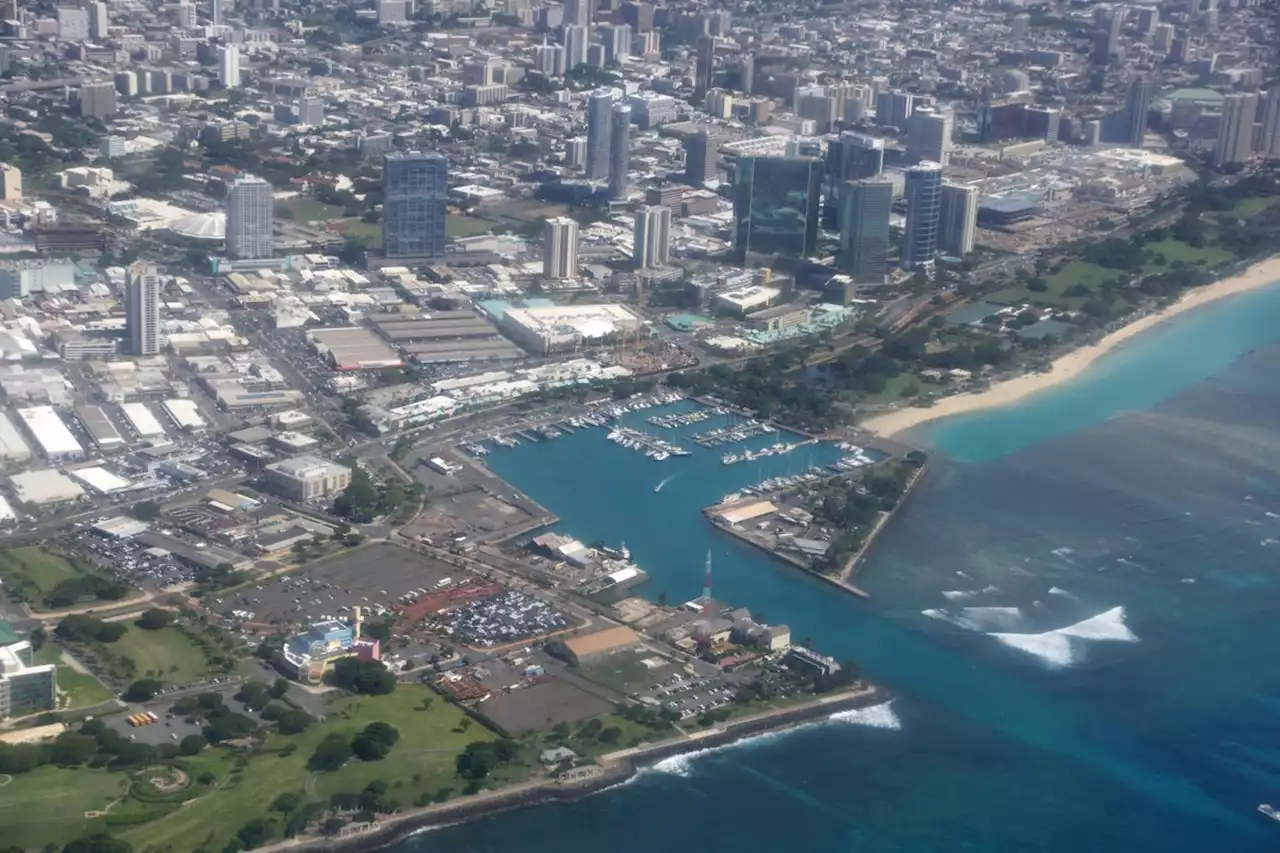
(306,478)
(24,688)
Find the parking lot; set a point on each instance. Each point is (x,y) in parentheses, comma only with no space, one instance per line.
(171,728)
(129,561)
(508,617)
(376,577)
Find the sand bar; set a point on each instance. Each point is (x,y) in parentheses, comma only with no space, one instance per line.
(1072,364)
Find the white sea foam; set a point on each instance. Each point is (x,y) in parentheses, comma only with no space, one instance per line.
(682,765)
(1187,580)
(980,619)
(877,716)
(1058,648)
(1272,515)
(1266,543)
(1057,590)
(962,574)
(1062,552)
(990,588)
(958,594)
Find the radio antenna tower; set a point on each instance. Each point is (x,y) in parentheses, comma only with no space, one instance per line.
(706,588)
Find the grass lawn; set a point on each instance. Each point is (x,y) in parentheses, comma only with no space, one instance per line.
(1175,250)
(82,691)
(1250,207)
(460,225)
(47,805)
(894,388)
(304,209)
(368,233)
(167,653)
(42,568)
(422,762)
(623,671)
(1075,272)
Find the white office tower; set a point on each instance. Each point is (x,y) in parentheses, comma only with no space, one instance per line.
(73,24)
(249,218)
(216,13)
(392,11)
(560,248)
(229,66)
(142,309)
(652,245)
(959,219)
(575,47)
(548,59)
(99,20)
(929,135)
(1270,141)
(577,13)
(1235,130)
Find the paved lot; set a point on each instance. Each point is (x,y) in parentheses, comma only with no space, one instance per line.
(371,577)
(550,702)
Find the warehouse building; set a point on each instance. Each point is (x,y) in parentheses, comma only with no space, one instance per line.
(42,487)
(144,423)
(564,328)
(12,448)
(353,348)
(578,650)
(99,426)
(185,415)
(306,478)
(49,431)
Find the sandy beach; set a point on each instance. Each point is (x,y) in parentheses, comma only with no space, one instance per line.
(1073,364)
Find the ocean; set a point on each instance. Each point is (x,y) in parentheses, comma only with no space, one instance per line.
(1075,612)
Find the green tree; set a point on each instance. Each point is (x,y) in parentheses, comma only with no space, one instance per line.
(154,619)
(192,745)
(98,843)
(332,752)
(143,690)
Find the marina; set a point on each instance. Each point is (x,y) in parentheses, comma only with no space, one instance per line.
(655,448)
(778,449)
(735,433)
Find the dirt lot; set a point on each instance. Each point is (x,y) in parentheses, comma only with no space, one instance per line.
(542,705)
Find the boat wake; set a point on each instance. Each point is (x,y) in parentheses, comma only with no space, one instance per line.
(1060,648)
(958,594)
(980,619)
(877,717)
(665,480)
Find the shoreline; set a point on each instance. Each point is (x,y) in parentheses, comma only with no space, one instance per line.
(617,768)
(1071,365)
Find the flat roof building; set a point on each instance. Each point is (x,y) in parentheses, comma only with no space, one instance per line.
(49,431)
(46,486)
(185,415)
(99,426)
(616,639)
(306,478)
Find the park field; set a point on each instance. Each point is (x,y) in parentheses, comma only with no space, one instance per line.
(42,569)
(48,805)
(79,689)
(166,654)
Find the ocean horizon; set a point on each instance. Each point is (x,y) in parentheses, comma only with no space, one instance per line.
(1073,612)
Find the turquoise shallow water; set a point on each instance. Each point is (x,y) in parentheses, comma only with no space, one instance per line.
(1076,611)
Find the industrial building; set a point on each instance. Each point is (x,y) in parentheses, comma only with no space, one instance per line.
(564,328)
(45,486)
(24,688)
(99,426)
(144,423)
(49,431)
(353,348)
(306,478)
(12,447)
(185,415)
(446,336)
(578,650)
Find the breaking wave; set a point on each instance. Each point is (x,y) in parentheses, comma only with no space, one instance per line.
(958,594)
(877,716)
(1057,590)
(981,619)
(1060,648)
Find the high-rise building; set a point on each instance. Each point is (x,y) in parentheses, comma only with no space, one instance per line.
(639,14)
(415,191)
(215,12)
(850,157)
(1043,122)
(1162,38)
(1136,105)
(1235,130)
(747,74)
(560,248)
(929,135)
(894,108)
(142,309)
(392,12)
(599,117)
(98,99)
(620,151)
(704,63)
(250,210)
(1019,25)
(311,111)
(229,66)
(578,12)
(99,20)
(1270,140)
(10,182)
(549,59)
(865,206)
(73,23)
(617,43)
(1148,20)
(701,153)
(575,46)
(775,206)
(923,189)
(958,219)
(652,243)
(26,687)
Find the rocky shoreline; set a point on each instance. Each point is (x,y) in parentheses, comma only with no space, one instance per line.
(617,768)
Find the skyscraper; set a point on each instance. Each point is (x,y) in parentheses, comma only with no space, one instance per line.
(704,64)
(1235,130)
(865,206)
(229,66)
(929,135)
(599,116)
(701,153)
(142,309)
(99,20)
(850,157)
(894,108)
(747,74)
(923,189)
(775,206)
(619,151)
(575,46)
(216,13)
(1136,106)
(617,43)
(1270,146)
(249,218)
(98,99)
(652,243)
(958,219)
(560,248)
(578,12)
(415,190)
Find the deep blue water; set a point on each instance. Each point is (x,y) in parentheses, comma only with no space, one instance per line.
(1138,508)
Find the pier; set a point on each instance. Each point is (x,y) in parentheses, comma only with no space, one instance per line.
(653,447)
